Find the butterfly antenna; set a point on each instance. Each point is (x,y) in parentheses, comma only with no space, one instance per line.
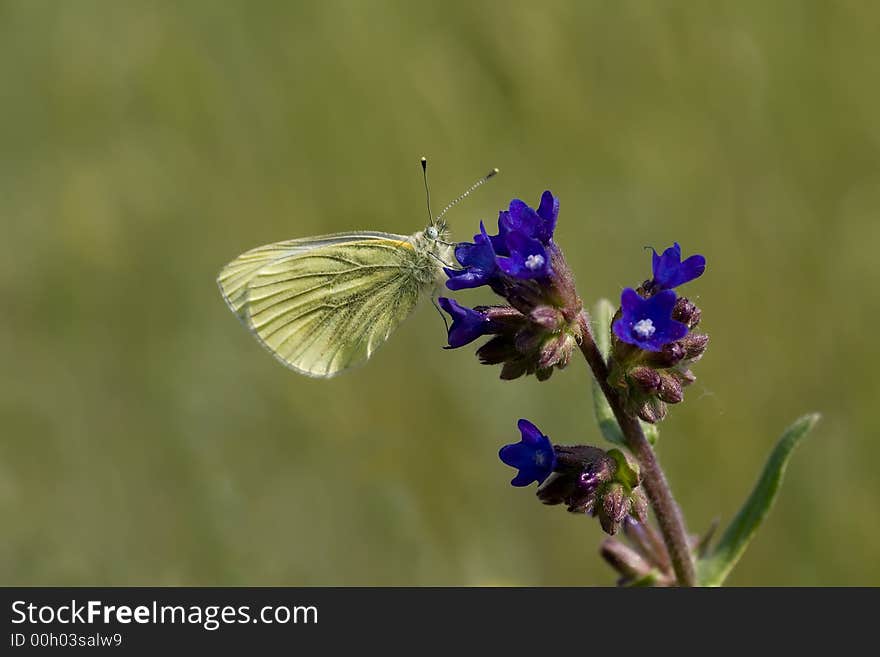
(427,192)
(467,193)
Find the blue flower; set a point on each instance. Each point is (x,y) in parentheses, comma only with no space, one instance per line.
(498,242)
(467,324)
(533,456)
(648,323)
(477,260)
(518,250)
(520,218)
(528,257)
(670,271)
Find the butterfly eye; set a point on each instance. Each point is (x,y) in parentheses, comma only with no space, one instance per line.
(431,232)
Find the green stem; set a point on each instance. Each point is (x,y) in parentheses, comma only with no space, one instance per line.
(668,514)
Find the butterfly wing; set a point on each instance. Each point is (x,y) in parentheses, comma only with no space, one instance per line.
(234,277)
(321,305)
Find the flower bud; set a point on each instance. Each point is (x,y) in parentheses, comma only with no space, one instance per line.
(542,374)
(548,318)
(642,562)
(686,312)
(513,369)
(670,355)
(685,376)
(580,472)
(528,340)
(694,345)
(586,492)
(647,378)
(648,542)
(556,351)
(670,389)
(580,458)
(595,482)
(639,502)
(498,350)
(651,410)
(615,506)
(504,315)
(624,560)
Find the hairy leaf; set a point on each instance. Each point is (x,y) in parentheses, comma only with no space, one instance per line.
(714,569)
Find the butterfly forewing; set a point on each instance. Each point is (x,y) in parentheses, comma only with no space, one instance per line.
(324,304)
(235,276)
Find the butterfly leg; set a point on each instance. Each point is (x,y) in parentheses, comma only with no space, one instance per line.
(442,261)
(437,306)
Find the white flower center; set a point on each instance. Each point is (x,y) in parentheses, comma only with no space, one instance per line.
(539,458)
(644,328)
(534,261)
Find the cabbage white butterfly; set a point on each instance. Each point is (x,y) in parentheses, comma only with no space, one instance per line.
(324,304)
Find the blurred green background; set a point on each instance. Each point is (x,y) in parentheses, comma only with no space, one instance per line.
(147,439)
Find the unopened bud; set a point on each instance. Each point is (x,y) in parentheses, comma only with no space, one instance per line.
(556,489)
(580,458)
(624,560)
(694,345)
(647,378)
(686,312)
(585,494)
(615,506)
(686,377)
(513,369)
(501,314)
(547,317)
(542,374)
(651,410)
(670,388)
(580,473)
(528,340)
(639,502)
(498,350)
(556,350)
(671,354)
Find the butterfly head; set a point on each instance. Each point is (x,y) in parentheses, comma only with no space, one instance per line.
(436,229)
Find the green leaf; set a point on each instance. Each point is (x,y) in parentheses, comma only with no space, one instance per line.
(605,417)
(645,581)
(652,433)
(714,569)
(626,473)
(602,314)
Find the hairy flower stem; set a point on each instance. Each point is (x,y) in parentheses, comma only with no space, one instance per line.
(668,514)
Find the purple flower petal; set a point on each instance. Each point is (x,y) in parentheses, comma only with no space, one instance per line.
(467,323)
(533,456)
(523,219)
(692,268)
(548,211)
(477,261)
(648,323)
(630,300)
(530,433)
(528,258)
(498,241)
(670,271)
